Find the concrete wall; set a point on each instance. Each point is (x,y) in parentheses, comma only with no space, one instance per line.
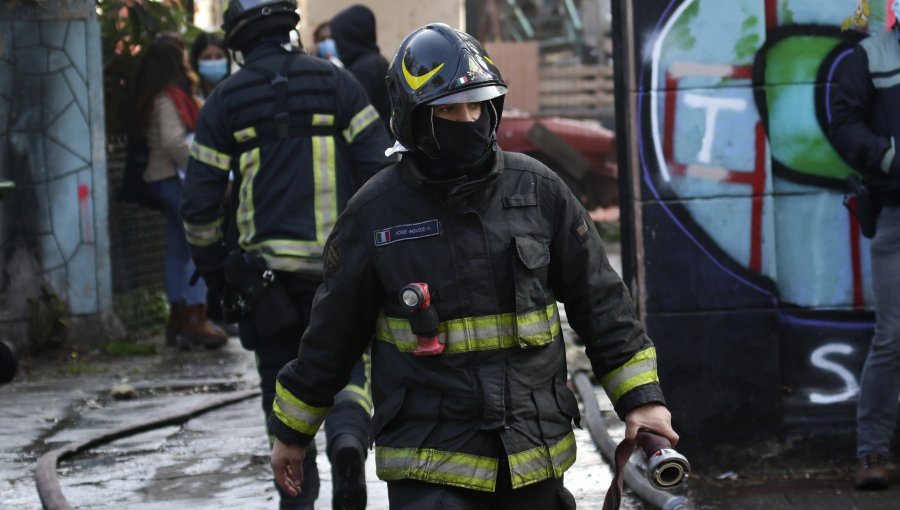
(395,19)
(53,228)
(752,276)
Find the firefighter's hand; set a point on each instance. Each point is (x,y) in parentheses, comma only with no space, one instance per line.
(653,417)
(287,463)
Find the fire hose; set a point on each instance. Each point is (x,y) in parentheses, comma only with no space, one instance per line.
(46,479)
(666,470)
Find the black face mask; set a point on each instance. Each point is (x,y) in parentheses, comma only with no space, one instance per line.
(463,144)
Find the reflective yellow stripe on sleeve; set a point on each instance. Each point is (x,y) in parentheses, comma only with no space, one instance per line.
(245,134)
(210,156)
(471,334)
(289,255)
(296,414)
(203,235)
(359,122)
(639,370)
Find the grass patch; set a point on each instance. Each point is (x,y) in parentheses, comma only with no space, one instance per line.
(78,368)
(121,348)
(143,312)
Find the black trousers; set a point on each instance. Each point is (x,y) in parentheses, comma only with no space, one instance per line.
(274,352)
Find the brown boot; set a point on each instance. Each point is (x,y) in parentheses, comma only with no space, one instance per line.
(871,473)
(197,331)
(177,318)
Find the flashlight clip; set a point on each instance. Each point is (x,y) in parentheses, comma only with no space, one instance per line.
(423,319)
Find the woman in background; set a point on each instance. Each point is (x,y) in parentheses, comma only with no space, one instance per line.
(210,60)
(165,114)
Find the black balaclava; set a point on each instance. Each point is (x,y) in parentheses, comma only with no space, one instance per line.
(448,149)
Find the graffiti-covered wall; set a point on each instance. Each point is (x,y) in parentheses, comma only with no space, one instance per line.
(751,274)
(53,232)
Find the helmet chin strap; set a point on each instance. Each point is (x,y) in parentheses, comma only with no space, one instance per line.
(432,138)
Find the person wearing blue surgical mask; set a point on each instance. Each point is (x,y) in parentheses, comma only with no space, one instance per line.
(324,45)
(211,60)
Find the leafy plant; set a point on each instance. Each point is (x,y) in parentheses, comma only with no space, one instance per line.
(127,27)
(142,311)
(47,324)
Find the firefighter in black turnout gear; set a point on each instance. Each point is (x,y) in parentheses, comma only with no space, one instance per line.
(297,136)
(454,259)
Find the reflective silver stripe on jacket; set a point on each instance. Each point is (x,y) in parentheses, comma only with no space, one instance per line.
(434,466)
(542,462)
(474,471)
(297,414)
(639,370)
(470,334)
(210,156)
(203,235)
(359,122)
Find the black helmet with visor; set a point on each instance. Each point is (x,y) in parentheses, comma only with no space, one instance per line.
(437,65)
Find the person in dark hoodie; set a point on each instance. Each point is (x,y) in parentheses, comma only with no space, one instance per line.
(353,31)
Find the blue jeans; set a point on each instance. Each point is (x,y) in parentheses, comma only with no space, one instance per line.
(179,266)
(876,413)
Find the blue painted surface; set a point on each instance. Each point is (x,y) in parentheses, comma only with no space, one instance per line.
(741,197)
(51,120)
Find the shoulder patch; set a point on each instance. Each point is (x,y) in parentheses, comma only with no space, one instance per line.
(332,255)
(581,229)
(407,232)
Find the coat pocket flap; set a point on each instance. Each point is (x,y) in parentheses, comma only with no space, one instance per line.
(533,254)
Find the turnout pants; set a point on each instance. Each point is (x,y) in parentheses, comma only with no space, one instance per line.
(352,411)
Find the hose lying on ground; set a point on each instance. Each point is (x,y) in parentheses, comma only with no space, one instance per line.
(634,479)
(47,482)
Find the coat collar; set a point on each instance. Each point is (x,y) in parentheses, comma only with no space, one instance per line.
(449,191)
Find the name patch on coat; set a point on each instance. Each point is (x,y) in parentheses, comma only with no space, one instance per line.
(406,232)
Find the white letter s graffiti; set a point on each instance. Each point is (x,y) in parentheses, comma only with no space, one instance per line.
(819,360)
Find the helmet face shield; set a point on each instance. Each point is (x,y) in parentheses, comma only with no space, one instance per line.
(471,95)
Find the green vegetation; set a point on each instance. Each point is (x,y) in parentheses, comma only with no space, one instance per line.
(143,312)
(47,326)
(79,368)
(121,348)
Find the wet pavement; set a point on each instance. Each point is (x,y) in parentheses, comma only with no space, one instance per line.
(215,460)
